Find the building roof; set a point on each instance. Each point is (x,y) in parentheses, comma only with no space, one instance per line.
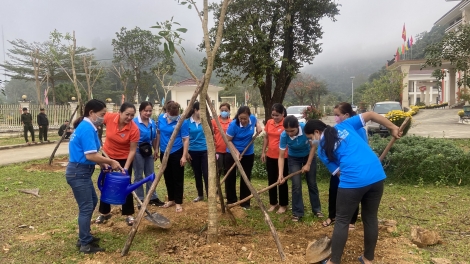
(453,13)
(191,83)
(187,82)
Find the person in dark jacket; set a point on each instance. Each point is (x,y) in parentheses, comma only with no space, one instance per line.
(43,124)
(63,128)
(27,121)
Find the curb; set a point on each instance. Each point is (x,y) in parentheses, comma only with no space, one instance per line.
(25,145)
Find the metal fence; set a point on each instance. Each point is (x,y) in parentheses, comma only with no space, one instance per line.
(10,115)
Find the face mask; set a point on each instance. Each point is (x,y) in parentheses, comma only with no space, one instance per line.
(172,118)
(337,119)
(98,121)
(224,114)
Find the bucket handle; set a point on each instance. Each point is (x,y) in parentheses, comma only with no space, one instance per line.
(100,180)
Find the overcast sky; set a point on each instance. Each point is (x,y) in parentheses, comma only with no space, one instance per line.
(363,27)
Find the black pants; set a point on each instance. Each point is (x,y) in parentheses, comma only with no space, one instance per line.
(333,192)
(231,181)
(43,133)
(174,176)
(221,163)
(347,201)
(128,207)
(26,128)
(200,169)
(273,176)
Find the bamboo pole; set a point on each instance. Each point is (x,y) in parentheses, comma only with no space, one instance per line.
(141,213)
(61,138)
(267,219)
(241,155)
(264,189)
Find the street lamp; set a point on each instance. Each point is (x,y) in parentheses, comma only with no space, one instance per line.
(24,97)
(352,89)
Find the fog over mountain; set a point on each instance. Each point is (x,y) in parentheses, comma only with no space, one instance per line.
(365,35)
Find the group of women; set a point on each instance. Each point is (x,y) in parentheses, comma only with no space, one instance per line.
(288,147)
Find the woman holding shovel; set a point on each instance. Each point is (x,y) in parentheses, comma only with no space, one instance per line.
(301,157)
(274,128)
(239,134)
(83,149)
(342,112)
(361,180)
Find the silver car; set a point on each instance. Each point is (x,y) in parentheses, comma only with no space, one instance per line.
(297,112)
(382,108)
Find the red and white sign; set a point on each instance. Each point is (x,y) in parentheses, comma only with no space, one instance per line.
(422,88)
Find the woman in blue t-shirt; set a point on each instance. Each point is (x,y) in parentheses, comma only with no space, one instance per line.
(342,112)
(301,157)
(83,150)
(174,171)
(197,153)
(341,148)
(143,164)
(239,134)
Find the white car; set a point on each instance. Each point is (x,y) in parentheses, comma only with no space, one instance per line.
(296,111)
(382,108)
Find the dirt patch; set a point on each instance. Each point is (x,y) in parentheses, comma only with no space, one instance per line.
(185,241)
(58,165)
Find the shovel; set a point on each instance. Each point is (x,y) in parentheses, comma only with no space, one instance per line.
(321,249)
(156,218)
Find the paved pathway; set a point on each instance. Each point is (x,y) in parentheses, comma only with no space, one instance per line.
(33,152)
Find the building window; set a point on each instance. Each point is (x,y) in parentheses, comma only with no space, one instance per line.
(411,86)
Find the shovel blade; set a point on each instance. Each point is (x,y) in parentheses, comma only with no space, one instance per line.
(159,220)
(318,250)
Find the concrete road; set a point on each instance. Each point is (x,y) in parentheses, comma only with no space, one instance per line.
(439,123)
(33,152)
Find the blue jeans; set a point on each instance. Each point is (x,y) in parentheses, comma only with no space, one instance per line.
(296,164)
(79,178)
(143,166)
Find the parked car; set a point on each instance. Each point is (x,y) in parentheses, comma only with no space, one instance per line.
(382,108)
(296,111)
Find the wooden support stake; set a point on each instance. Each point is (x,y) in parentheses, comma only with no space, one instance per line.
(267,219)
(63,136)
(141,213)
(264,190)
(241,155)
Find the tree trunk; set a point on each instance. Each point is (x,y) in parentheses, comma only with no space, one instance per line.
(75,84)
(36,65)
(53,90)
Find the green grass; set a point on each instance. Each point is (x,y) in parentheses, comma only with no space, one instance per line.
(19,139)
(53,216)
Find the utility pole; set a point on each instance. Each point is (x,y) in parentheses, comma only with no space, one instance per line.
(352,90)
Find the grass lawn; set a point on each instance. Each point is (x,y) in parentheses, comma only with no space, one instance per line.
(19,139)
(44,229)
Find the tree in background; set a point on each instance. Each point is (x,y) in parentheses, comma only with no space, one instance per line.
(454,47)
(388,87)
(424,39)
(308,89)
(269,41)
(20,66)
(137,50)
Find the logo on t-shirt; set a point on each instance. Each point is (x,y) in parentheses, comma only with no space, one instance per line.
(123,135)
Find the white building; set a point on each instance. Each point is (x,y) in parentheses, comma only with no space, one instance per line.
(184,90)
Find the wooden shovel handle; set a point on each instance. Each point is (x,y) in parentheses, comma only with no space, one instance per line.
(390,144)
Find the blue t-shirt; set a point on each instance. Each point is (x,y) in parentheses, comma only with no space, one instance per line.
(358,164)
(147,133)
(167,129)
(298,146)
(84,140)
(197,139)
(241,135)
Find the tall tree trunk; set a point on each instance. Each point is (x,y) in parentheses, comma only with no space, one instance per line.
(36,64)
(53,90)
(74,74)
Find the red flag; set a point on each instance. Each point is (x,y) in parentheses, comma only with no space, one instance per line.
(403,33)
(403,48)
(46,99)
(411,41)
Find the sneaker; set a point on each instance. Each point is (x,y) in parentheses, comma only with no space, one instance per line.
(91,248)
(156,202)
(95,240)
(199,198)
